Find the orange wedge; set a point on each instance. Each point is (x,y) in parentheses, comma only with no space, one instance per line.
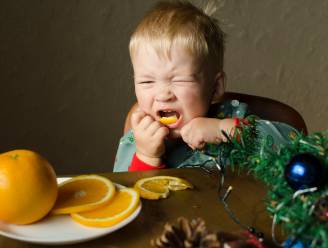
(153,188)
(83,193)
(119,208)
(168,120)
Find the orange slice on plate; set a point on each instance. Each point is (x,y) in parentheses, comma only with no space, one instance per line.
(119,208)
(83,193)
(168,120)
(153,188)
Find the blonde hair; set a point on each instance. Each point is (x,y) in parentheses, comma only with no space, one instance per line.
(179,22)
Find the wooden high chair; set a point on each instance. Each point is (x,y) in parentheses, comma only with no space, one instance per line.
(263,107)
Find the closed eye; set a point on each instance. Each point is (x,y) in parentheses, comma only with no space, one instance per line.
(184,79)
(184,82)
(145,82)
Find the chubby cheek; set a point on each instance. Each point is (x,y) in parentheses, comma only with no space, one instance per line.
(144,101)
(194,105)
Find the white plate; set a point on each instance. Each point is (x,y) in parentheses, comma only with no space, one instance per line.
(61,229)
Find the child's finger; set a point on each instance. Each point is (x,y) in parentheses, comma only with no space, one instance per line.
(195,143)
(185,136)
(153,127)
(161,133)
(136,117)
(146,121)
(200,145)
(184,132)
(192,147)
(223,139)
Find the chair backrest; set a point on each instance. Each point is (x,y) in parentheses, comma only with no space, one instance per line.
(265,108)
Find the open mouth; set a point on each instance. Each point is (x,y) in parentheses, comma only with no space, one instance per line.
(168,117)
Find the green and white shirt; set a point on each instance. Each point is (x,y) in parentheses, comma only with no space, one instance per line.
(179,154)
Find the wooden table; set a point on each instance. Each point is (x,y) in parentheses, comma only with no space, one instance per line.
(246,200)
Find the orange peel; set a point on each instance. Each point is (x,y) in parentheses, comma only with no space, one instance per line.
(153,188)
(28,187)
(168,120)
(125,201)
(83,193)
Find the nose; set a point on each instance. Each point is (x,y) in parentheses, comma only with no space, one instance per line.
(165,93)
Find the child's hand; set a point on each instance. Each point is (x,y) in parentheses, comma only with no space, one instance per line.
(201,130)
(149,137)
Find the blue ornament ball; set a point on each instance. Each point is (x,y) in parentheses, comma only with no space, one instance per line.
(296,244)
(305,170)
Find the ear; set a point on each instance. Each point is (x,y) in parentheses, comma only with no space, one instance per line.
(219,87)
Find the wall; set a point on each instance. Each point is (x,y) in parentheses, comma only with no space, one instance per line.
(279,49)
(65,74)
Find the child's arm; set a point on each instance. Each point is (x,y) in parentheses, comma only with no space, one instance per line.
(125,152)
(139,165)
(149,138)
(202,130)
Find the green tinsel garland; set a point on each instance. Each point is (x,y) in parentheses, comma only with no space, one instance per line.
(267,162)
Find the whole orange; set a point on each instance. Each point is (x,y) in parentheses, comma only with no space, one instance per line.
(28,187)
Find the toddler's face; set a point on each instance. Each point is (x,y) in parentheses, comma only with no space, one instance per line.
(172,86)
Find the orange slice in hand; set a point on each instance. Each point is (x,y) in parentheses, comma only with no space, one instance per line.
(168,120)
(83,193)
(153,188)
(119,208)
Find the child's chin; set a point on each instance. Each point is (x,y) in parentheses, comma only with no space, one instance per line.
(174,134)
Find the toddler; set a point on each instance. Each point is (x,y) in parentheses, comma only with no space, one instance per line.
(177,55)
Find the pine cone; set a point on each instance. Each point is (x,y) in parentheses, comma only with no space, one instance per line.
(187,234)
